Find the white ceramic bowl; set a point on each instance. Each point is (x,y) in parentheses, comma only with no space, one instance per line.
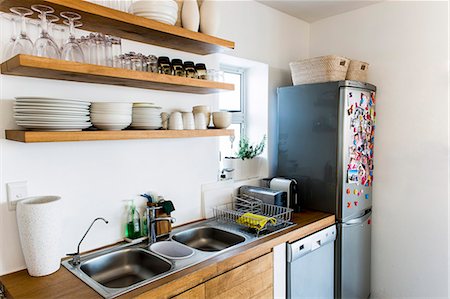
(110,118)
(111,104)
(143,5)
(200,108)
(222,120)
(111,127)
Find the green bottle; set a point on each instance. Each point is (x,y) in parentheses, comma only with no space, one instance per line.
(133,228)
(144,226)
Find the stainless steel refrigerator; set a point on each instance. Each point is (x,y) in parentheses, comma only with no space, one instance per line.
(325,142)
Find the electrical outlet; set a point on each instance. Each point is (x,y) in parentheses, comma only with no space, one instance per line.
(15,191)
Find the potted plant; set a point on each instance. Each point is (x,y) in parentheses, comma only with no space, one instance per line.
(246,163)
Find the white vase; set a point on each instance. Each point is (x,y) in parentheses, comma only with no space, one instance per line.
(209,17)
(190,15)
(40,228)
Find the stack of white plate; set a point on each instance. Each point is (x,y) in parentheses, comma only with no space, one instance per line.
(146,116)
(164,11)
(48,114)
(111,116)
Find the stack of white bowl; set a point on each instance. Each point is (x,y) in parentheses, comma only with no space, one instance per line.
(164,11)
(222,119)
(111,116)
(146,116)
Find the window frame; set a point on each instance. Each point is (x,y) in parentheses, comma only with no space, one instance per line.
(238,116)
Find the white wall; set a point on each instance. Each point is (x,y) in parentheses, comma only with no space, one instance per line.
(95,177)
(406,45)
(272,38)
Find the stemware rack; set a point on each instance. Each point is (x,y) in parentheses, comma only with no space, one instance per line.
(234,213)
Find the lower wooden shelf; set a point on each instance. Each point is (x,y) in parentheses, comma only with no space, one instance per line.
(39,136)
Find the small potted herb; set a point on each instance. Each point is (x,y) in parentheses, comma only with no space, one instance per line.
(246,163)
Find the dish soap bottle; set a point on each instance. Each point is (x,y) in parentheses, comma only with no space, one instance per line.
(133,228)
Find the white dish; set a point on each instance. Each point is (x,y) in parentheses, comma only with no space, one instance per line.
(145,123)
(147,119)
(110,127)
(164,20)
(158,16)
(38,107)
(158,13)
(51,118)
(146,107)
(49,105)
(145,127)
(143,104)
(111,118)
(43,99)
(54,124)
(146,115)
(59,127)
(146,4)
(112,104)
(46,112)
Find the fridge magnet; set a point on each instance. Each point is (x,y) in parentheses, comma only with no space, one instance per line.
(350,110)
(349,204)
(352,176)
(362,175)
(362,99)
(350,94)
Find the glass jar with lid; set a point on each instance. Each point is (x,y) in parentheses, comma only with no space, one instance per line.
(178,68)
(189,68)
(164,65)
(201,71)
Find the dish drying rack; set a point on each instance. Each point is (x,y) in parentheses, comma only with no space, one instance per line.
(234,212)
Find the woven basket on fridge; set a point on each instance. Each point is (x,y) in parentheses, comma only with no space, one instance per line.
(319,69)
(357,71)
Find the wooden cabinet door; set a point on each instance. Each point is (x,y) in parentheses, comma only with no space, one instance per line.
(251,280)
(195,293)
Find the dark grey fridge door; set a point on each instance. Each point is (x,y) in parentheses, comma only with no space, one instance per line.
(353,252)
(308,142)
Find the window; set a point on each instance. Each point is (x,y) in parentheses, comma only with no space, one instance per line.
(234,102)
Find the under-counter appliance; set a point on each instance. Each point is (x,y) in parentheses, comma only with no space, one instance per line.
(325,142)
(310,266)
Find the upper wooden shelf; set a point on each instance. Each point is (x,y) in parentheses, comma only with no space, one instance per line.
(110,21)
(40,136)
(42,67)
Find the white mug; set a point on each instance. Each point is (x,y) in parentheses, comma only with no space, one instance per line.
(200,121)
(188,121)
(175,121)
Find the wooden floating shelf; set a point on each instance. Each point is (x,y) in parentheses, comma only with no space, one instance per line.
(39,136)
(114,22)
(42,67)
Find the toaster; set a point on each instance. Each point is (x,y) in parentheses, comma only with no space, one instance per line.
(266,195)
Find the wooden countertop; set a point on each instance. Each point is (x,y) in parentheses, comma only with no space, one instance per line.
(63,284)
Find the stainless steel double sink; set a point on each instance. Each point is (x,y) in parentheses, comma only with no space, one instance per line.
(115,271)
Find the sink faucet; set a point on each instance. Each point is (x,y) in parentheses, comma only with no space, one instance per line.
(151,222)
(76,260)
